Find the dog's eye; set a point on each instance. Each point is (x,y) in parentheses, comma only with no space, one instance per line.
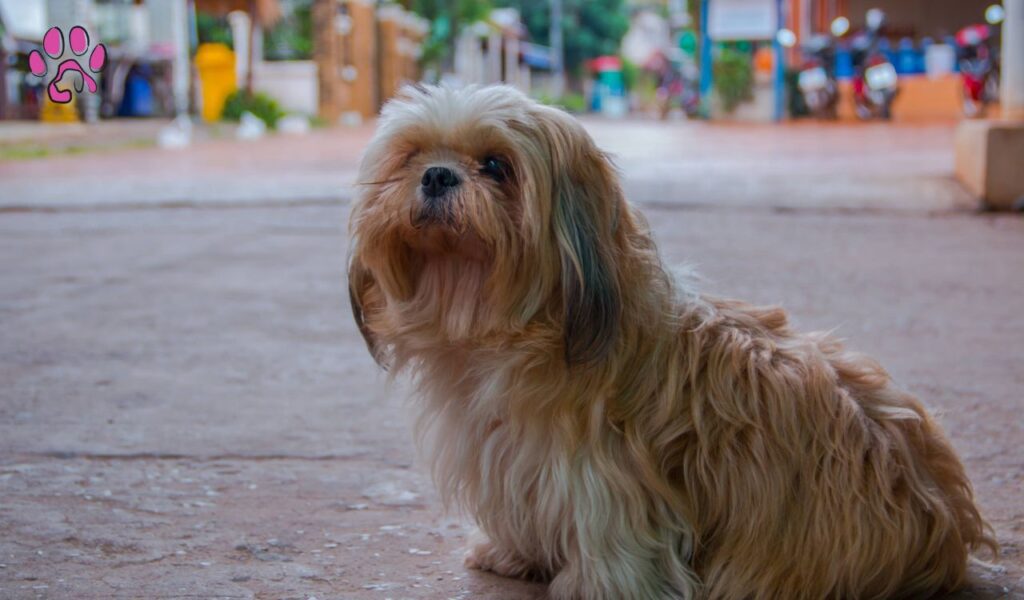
(495,168)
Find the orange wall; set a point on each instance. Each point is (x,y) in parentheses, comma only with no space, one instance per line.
(920,99)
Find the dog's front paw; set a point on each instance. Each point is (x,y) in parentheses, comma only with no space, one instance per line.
(476,557)
(485,556)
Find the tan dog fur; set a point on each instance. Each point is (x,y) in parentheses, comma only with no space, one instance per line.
(611,430)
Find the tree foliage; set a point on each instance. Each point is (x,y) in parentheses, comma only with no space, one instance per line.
(213,30)
(734,77)
(590,28)
(291,38)
(447,18)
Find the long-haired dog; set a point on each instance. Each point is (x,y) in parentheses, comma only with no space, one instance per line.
(613,431)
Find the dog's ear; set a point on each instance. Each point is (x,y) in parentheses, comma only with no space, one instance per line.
(587,203)
(362,288)
(590,294)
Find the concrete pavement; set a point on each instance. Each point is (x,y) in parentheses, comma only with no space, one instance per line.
(852,167)
(187,410)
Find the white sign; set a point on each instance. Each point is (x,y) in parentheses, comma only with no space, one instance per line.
(25,19)
(742,19)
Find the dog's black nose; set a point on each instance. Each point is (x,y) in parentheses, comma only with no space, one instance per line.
(438,180)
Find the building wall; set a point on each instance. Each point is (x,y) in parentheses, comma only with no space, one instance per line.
(68,13)
(921,18)
(292,83)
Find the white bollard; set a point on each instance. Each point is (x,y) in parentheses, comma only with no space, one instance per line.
(1012,75)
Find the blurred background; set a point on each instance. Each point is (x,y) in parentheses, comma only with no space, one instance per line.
(335,61)
(186,407)
(181,72)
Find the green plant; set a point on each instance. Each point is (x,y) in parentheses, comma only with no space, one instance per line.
(213,30)
(794,97)
(292,37)
(261,105)
(318,122)
(574,103)
(734,78)
(571,102)
(447,18)
(630,74)
(645,89)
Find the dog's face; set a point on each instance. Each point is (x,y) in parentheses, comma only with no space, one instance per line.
(481,213)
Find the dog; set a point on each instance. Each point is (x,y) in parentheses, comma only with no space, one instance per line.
(612,431)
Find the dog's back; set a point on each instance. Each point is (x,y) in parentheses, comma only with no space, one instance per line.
(815,475)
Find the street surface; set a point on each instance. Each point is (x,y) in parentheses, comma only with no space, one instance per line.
(187,409)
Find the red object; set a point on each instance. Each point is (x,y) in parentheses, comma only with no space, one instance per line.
(605,63)
(860,85)
(972,35)
(974,86)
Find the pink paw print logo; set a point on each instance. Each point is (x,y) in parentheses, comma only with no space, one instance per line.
(53,45)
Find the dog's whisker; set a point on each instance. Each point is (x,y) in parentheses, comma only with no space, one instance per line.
(381,182)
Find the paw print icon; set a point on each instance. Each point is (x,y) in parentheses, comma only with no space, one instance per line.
(78,43)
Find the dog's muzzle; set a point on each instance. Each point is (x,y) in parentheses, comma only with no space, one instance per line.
(435,186)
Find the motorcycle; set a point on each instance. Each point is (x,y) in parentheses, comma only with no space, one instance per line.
(876,89)
(876,85)
(817,81)
(678,85)
(978,71)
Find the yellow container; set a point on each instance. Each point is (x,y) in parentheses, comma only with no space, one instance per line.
(216,66)
(53,112)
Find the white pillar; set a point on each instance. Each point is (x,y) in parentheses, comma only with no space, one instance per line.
(1012,76)
(181,29)
(239,22)
(512,61)
(168,24)
(494,43)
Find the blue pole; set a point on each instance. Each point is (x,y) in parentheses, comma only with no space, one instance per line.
(780,67)
(705,61)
